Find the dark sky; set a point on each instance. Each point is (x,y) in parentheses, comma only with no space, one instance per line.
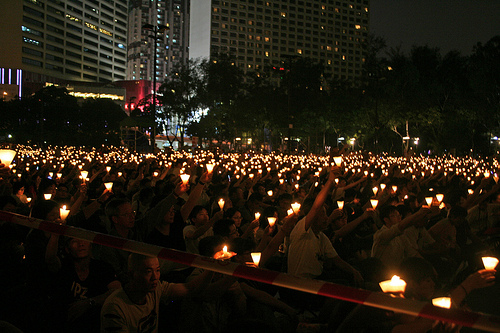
(447,24)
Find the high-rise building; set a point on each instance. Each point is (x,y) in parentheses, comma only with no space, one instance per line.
(262,34)
(50,40)
(171,44)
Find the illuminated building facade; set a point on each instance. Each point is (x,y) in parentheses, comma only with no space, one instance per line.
(262,34)
(171,45)
(56,40)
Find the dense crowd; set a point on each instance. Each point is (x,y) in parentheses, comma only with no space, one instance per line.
(351,218)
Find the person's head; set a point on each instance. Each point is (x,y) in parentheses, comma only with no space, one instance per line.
(340,221)
(235,215)
(285,201)
(47,186)
(208,246)
(62,191)
(146,195)
(199,216)
(120,213)
(243,248)
(390,215)
(46,210)
(254,201)
(419,276)
(457,214)
(78,249)
(144,273)
(18,188)
(225,228)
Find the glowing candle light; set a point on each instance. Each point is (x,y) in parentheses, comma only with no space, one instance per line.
(185,178)
(210,168)
(290,211)
(270,193)
(120,174)
(296,186)
(382,186)
(271,220)
(63,212)
(257,215)
(84,175)
(47,196)
(59,175)
(221,203)
(394,285)
(374,203)
(28,199)
(375,190)
(428,200)
(108,169)
(108,185)
(394,188)
(295,207)
(6,156)
(442,302)
(490,262)
(340,204)
(255,258)
(337,160)
(439,197)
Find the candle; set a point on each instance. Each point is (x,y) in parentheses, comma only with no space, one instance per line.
(375,190)
(428,200)
(340,204)
(224,254)
(210,168)
(255,258)
(221,203)
(394,188)
(59,175)
(382,186)
(6,156)
(442,302)
(374,203)
(108,169)
(63,212)
(28,199)
(295,207)
(270,193)
(84,175)
(120,174)
(257,215)
(108,185)
(290,211)
(439,197)
(155,174)
(47,196)
(271,220)
(490,262)
(185,178)
(394,285)
(337,160)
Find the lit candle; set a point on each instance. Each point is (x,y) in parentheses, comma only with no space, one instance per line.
(255,258)
(224,254)
(28,199)
(221,203)
(47,196)
(108,169)
(442,302)
(185,178)
(210,168)
(120,174)
(59,175)
(271,220)
(257,215)
(394,188)
(374,203)
(428,200)
(155,174)
(270,193)
(382,186)
(290,211)
(375,190)
(295,207)
(490,262)
(108,185)
(394,285)
(84,175)
(63,212)
(340,204)
(6,156)
(337,160)
(439,197)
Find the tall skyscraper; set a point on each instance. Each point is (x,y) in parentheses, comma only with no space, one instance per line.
(171,44)
(82,40)
(263,34)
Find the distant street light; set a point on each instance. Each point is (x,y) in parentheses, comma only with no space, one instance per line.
(155,30)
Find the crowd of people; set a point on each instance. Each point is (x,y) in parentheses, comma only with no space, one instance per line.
(350,218)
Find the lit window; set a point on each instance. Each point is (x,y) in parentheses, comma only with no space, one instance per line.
(299,51)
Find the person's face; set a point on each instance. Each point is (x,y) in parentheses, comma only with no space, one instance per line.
(78,248)
(233,233)
(237,219)
(20,191)
(147,276)
(125,217)
(340,222)
(322,219)
(424,289)
(169,218)
(394,218)
(53,215)
(201,218)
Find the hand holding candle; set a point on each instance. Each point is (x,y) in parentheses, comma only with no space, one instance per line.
(256,258)
(296,207)
(490,262)
(271,220)
(63,212)
(224,254)
(185,178)
(394,285)
(442,302)
(221,203)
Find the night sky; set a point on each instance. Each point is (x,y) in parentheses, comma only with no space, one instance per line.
(447,24)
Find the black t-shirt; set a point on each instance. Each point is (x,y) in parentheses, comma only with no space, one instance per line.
(72,289)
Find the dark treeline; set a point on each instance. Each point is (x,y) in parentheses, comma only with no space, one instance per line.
(449,102)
